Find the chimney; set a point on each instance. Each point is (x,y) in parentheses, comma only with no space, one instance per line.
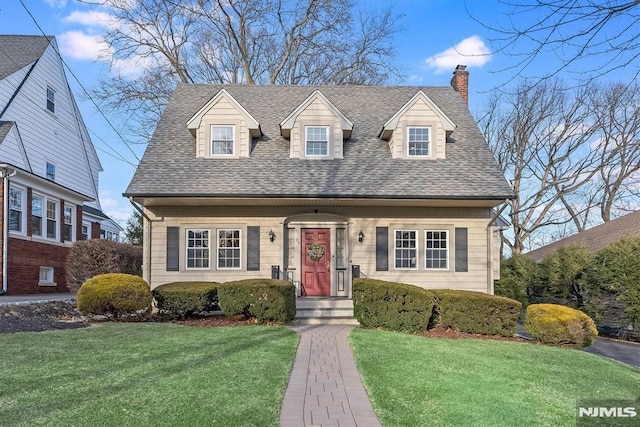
(460,82)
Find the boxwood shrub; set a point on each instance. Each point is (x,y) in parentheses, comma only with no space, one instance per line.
(114,295)
(186,298)
(475,312)
(558,324)
(266,300)
(392,306)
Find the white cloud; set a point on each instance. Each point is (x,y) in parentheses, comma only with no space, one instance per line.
(79,45)
(56,3)
(471,52)
(118,209)
(90,19)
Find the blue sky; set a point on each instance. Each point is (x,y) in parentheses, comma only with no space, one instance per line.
(435,33)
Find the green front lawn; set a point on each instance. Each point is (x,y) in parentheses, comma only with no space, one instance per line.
(417,381)
(137,374)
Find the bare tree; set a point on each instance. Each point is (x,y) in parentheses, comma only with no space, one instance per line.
(540,138)
(589,37)
(240,41)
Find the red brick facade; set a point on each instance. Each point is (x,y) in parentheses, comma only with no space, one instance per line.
(26,258)
(460,82)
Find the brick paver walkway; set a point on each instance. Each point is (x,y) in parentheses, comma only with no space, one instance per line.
(324,387)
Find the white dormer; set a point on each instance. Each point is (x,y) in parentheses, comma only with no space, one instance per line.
(316,129)
(223,128)
(418,130)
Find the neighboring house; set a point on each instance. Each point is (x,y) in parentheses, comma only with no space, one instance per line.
(51,199)
(318,184)
(595,238)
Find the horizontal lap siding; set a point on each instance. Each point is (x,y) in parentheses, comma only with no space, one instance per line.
(316,114)
(223,113)
(419,114)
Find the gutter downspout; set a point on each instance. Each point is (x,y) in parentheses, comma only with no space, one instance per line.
(146,241)
(490,278)
(5,172)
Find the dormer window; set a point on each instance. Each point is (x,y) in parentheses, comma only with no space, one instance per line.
(419,141)
(222,141)
(316,141)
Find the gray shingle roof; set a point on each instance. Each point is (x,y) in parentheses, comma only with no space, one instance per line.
(595,238)
(169,166)
(5,127)
(17,52)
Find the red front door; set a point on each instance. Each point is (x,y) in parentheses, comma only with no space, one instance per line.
(316,265)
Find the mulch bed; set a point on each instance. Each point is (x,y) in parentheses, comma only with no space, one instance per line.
(38,317)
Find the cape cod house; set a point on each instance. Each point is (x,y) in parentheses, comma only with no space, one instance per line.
(48,167)
(321,184)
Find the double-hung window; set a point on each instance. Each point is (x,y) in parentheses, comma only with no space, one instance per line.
(419,141)
(51,171)
(15,209)
(406,249)
(436,249)
(52,219)
(51,99)
(197,249)
(37,203)
(229,249)
(67,231)
(222,140)
(316,141)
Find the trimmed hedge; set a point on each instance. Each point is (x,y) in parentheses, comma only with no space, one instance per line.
(391,306)
(186,298)
(475,312)
(558,324)
(266,300)
(114,295)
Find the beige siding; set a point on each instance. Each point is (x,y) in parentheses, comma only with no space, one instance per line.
(223,113)
(353,219)
(316,114)
(419,114)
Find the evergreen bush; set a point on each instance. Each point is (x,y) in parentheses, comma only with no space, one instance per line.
(559,324)
(114,295)
(266,300)
(186,298)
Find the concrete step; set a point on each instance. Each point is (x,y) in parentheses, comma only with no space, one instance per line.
(324,312)
(325,321)
(306,303)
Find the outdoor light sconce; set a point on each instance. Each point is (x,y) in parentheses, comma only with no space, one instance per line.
(272,236)
(360,236)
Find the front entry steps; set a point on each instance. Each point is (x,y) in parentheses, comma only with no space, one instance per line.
(324,310)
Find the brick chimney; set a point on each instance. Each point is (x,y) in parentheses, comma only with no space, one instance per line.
(460,82)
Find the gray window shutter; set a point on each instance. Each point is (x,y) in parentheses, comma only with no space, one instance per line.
(462,250)
(173,248)
(382,248)
(253,248)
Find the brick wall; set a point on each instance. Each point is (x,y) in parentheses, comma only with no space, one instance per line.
(25,260)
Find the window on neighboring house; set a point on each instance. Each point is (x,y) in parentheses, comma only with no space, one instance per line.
(197,249)
(52,219)
(419,141)
(36,215)
(228,249)
(406,249)
(46,276)
(15,209)
(316,141)
(436,249)
(51,171)
(222,140)
(67,230)
(86,231)
(51,99)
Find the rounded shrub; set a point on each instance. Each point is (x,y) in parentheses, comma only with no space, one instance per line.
(114,295)
(392,306)
(266,300)
(186,298)
(559,324)
(475,312)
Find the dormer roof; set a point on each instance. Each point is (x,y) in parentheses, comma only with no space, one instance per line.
(194,122)
(287,124)
(392,123)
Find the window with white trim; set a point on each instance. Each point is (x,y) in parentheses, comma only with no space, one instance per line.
(436,249)
(51,99)
(406,249)
(316,140)
(46,276)
(197,249)
(37,203)
(418,141)
(67,230)
(52,219)
(15,209)
(50,171)
(86,231)
(222,140)
(229,249)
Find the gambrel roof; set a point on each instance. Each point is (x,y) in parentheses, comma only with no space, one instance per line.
(169,167)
